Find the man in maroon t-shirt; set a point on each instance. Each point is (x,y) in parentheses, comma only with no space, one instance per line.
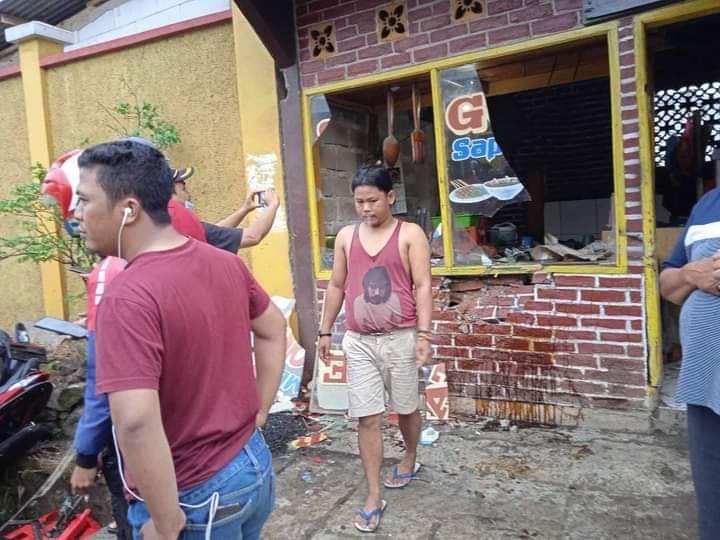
(174,338)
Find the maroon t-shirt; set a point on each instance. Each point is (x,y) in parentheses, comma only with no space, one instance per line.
(178,322)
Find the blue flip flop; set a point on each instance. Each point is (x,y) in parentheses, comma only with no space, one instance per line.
(405,477)
(367,518)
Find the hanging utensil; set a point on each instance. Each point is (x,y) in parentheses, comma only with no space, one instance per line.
(391,146)
(417,137)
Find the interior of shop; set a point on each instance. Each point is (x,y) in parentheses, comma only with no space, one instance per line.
(527,150)
(684,74)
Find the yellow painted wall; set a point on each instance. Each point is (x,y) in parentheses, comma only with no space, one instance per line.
(192,78)
(20,287)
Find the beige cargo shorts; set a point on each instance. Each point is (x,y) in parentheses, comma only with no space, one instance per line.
(381,369)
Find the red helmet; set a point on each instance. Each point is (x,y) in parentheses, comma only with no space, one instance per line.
(61,181)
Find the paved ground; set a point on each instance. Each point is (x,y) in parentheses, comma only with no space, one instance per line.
(534,483)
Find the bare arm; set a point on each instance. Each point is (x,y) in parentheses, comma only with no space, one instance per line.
(676,284)
(260,228)
(145,448)
(269,331)
(335,293)
(421,274)
(234,219)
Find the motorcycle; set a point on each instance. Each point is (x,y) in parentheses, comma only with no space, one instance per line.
(24,391)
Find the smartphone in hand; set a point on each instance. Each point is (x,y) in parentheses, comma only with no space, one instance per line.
(259,198)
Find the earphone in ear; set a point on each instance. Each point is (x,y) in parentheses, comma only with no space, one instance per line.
(127,212)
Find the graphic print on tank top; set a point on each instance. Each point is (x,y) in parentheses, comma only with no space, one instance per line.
(378,290)
(378,306)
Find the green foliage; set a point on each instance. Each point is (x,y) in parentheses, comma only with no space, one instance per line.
(41,236)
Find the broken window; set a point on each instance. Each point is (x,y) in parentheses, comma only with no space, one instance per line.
(524,165)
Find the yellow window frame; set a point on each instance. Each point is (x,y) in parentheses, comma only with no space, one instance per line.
(607,30)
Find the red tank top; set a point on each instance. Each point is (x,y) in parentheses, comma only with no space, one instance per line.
(379,293)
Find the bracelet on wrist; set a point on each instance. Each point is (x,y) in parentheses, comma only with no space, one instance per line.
(325,334)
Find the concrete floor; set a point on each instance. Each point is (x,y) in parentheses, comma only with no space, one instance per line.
(576,483)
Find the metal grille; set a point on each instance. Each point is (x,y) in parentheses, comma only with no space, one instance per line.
(673,109)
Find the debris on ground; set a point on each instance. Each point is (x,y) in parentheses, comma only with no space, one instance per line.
(309,440)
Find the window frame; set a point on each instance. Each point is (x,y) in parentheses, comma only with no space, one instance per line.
(607,30)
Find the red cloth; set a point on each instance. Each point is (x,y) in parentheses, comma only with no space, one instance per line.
(185,221)
(379,294)
(178,321)
(98,280)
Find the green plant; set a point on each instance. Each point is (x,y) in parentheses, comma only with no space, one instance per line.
(41,237)
(139,118)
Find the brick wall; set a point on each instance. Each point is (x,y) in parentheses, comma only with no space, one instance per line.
(431,34)
(528,347)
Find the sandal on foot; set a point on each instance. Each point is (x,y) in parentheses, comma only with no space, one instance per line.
(367,518)
(400,480)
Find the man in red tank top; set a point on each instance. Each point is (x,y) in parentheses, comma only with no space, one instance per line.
(382,273)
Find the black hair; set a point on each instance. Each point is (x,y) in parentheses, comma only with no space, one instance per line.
(373,175)
(128,168)
(378,276)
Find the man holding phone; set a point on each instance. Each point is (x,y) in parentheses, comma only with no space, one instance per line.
(226,233)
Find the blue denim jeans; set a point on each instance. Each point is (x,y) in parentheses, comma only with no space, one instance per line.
(247,489)
(704,447)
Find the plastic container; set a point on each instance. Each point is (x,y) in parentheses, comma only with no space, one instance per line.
(462,221)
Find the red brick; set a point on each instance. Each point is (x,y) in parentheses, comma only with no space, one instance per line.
(308,81)
(446,327)
(623,311)
(444,315)
(346,33)
(509,33)
(566,5)
(634,225)
(579,360)
(341,59)
(617,376)
(310,18)
(615,324)
(574,281)
(584,309)
(301,10)
(368,4)
(622,338)
(627,391)
(636,325)
(376,51)
(614,403)
(473,340)
(322,283)
(462,377)
(512,344)
(553,346)
(622,364)
(599,348)
(446,34)
(620,282)
(411,42)
(520,317)
(635,297)
(430,53)
(321,4)
(555,320)
(500,6)
(351,44)
(435,22)
(491,355)
(419,13)
(337,11)
(531,13)
(532,358)
(637,352)
(558,23)
(312,67)
(453,352)
(360,68)
(556,294)
(532,332)
(532,305)
(584,335)
(603,296)
(329,75)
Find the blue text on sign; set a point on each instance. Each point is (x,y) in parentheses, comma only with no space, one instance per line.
(466,148)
